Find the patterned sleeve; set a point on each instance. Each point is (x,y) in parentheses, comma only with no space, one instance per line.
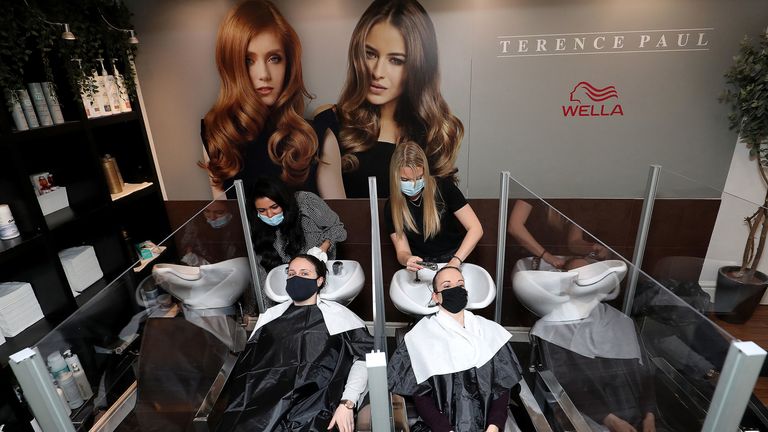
(319,222)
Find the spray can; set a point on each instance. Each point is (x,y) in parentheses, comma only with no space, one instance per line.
(81,381)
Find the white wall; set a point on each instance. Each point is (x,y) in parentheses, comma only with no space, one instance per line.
(179,84)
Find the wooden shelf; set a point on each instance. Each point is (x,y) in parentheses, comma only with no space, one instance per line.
(113,119)
(132,189)
(66,216)
(45,132)
(12,247)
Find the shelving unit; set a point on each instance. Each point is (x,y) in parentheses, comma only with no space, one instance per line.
(72,152)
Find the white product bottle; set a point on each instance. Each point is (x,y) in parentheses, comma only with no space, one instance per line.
(28,108)
(113,92)
(49,91)
(57,365)
(82,382)
(63,398)
(125,100)
(89,103)
(67,383)
(41,108)
(16,112)
(8,229)
(100,95)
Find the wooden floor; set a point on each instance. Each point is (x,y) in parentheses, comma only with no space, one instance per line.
(755,330)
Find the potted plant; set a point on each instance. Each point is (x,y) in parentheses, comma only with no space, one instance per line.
(739,289)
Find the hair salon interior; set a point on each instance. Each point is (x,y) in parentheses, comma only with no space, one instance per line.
(406,215)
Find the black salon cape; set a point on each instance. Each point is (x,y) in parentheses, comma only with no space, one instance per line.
(292,373)
(601,386)
(463,397)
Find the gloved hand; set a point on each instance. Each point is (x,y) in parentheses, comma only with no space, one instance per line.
(318,253)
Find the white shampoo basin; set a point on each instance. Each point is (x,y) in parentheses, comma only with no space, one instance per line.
(566,295)
(209,286)
(415,297)
(341,287)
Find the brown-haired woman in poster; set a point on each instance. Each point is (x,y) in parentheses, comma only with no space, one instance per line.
(256,127)
(391,94)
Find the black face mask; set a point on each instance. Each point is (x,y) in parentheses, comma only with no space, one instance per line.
(300,288)
(454,299)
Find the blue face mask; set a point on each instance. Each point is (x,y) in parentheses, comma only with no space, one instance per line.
(412,188)
(273,221)
(220,222)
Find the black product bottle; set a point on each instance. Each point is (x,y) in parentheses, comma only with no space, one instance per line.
(130,248)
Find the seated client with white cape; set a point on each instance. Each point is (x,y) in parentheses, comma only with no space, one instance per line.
(458,367)
(303,368)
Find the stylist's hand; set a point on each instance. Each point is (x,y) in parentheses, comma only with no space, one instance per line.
(649,423)
(615,424)
(411,263)
(600,252)
(343,419)
(552,260)
(492,428)
(318,253)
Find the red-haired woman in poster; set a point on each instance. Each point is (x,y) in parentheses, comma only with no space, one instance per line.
(256,127)
(391,94)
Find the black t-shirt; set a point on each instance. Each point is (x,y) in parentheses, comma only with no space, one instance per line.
(372,162)
(257,163)
(449,200)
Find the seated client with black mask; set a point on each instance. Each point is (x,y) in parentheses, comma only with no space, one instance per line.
(303,368)
(458,367)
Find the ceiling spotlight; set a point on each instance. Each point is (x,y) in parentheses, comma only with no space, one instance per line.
(67,35)
(132,39)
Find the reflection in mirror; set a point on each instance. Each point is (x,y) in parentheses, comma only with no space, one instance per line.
(655,365)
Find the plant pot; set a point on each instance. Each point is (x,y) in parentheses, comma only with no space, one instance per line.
(735,301)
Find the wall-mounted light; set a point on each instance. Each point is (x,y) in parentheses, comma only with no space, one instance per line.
(132,39)
(66,34)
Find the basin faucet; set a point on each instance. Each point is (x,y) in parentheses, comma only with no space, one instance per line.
(338,266)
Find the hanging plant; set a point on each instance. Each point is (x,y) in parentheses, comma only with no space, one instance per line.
(14,54)
(116,43)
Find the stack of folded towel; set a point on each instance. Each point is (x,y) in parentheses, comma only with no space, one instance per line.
(81,267)
(19,308)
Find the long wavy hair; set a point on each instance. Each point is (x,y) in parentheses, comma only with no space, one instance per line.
(421,112)
(239,115)
(264,235)
(410,155)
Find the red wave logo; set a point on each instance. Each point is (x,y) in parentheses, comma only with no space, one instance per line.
(584,90)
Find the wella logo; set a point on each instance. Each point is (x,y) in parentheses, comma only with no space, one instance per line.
(590,101)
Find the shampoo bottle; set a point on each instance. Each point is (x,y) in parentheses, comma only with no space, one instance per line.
(100,95)
(113,92)
(57,365)
(125,101)
(92,110)
(67,383)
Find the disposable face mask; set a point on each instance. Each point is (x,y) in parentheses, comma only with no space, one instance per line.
(411,188)
(221,221)
(273,221)
(300,288)
(454,299)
